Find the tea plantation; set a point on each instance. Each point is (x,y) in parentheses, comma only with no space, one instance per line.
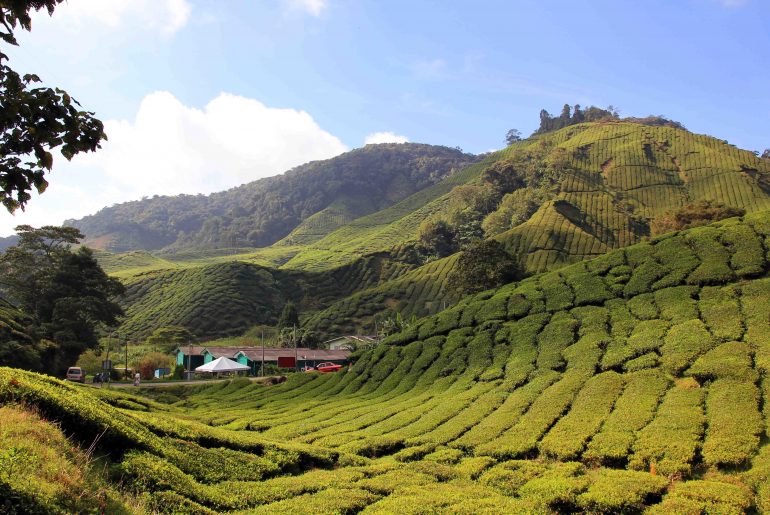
(615,180)
(637,381)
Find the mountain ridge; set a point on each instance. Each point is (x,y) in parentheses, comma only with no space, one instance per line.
(262,212)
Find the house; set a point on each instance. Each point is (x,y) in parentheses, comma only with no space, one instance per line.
(252,357)
(189,356)
(350,342)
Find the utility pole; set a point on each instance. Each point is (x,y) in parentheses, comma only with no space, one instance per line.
(294,337)
(262,373)
(109,365)
(189,362)
(125,371)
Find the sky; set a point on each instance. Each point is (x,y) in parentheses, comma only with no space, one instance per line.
(200,96)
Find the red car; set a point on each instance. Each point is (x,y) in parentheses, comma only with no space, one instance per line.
(328,367)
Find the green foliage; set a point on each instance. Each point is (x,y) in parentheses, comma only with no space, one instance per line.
(169,337)
(482,266)
(696,214)
(669,443)
(633,410)
(66,293)
(35,120)
(734,422)
(422,421)
(620,491)
(683,343)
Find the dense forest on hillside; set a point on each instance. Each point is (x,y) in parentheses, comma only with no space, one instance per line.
(262,212)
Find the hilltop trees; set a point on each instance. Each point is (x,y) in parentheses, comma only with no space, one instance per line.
(65,292)
(512,136)
(35,120)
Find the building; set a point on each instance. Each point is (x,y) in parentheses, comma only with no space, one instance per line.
(252,356)
(350,342)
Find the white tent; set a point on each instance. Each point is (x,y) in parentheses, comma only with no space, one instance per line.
(222,364)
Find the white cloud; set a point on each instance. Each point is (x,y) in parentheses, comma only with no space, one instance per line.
(313,7)
(170,148)
(165,16)
(384,137)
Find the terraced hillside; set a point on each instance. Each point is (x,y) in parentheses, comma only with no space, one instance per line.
(622,174)
(227,298)
(615,178)
(634,381)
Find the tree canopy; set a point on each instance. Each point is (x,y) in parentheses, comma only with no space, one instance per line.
(65,293)
(483,265)
(512,136)
(693,215)
(35,120)
(289,316)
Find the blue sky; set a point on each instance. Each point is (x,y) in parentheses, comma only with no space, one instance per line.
(200,96)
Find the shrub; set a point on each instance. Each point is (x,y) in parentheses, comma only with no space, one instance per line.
(734,422)
(683,343)
(556,336)
(671,440)
(620,491)
(633,410)
(730,360)
(565,441)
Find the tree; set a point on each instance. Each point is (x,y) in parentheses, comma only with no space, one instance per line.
(483,265)
(512,136)
(289,316)
(766,154)
(169,337)
(149,363)
(438,237)
(696,214)
(66,293)
(35,120)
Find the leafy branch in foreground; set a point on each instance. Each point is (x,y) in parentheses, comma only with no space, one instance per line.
(35,120)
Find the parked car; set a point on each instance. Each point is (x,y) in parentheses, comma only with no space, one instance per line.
(76,374)
(328,367)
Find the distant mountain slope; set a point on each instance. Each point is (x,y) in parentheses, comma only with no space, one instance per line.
(614,180)
(262,212)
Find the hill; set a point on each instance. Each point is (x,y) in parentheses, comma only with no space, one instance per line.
(599,186)
(566,195)
(312,199)
(227,298)
(634,381)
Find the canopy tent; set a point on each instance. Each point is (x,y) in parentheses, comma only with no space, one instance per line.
(222,364)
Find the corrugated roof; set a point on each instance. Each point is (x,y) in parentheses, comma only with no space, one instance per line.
(272,354)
